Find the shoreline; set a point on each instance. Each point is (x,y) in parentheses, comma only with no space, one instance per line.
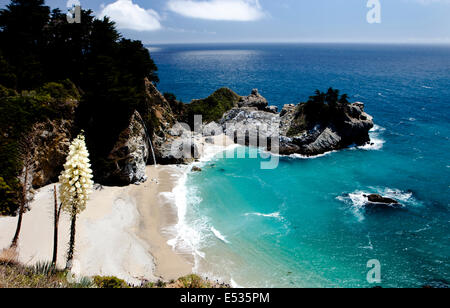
(129,232)
(119,234)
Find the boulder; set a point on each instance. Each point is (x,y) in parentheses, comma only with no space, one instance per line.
(128,158)
(271,109)
(196,169)
(255,100)
(375,198)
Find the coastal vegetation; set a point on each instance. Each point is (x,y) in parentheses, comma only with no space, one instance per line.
(321,108)
(211,108)
(45,275)
(52,70)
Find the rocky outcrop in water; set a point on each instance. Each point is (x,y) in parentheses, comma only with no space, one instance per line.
(375,198)
(308,129)
(256,100)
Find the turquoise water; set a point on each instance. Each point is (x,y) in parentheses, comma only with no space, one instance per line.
(302,224)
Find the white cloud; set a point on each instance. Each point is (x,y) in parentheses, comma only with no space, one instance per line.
(230,10)
(128,15)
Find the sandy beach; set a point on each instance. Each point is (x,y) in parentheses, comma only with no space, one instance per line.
(119,234)
(123,232)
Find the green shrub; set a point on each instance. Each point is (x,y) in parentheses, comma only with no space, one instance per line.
(5,92)
(193,282)
(84,283)
(44,268)
(8,197)
(18,114)
(213,107)
(110,282)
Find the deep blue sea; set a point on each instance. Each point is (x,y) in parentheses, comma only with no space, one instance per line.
(304,224)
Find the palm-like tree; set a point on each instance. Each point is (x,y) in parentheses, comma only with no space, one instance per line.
(26,148)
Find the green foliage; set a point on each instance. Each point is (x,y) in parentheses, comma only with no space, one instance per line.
(18,114)
(193,282)
(22,39)
(110,282)
(44,275)
(6,92)
(44,268)
(213,107)
(83,283)
(7,76)
(62,91)
(38,47)
(8,198)
(321,108)
(178,107)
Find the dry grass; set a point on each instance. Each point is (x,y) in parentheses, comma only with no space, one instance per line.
(9,256)
(15,275)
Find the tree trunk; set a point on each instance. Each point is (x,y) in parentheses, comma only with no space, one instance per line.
(21,209)
(72,239)
(57,214)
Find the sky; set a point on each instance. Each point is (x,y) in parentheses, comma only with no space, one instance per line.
(214,21)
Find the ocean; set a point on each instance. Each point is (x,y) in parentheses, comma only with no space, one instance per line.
(303,224)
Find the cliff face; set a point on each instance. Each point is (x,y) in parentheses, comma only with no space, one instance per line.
(313,130)
(162,120)
(52,141)
(130,154)
(307,129)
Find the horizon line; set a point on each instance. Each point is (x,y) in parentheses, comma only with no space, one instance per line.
(447,43)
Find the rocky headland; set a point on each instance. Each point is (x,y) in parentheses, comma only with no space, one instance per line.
(307,129)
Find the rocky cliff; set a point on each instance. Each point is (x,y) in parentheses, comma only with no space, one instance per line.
(308,129)
(130,154)
(51,145)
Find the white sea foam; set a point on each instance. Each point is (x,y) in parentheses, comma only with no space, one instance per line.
(190,236)
(357,200)
(369,245)
(427,87)
(234,285)
(376,142)
(187,239)
(272,215)
(219,235)
(212,151)
(299,156)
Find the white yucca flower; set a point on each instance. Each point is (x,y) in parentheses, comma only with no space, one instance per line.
(76,178)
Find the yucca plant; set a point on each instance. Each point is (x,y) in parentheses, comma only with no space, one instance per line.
(75,187)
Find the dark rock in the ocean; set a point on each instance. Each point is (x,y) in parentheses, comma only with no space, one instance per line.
(255,100)
(130,154)
(375,198)
(196,169)
(318,128)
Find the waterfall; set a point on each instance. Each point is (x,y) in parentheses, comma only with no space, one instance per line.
(150,143)
(153,152)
